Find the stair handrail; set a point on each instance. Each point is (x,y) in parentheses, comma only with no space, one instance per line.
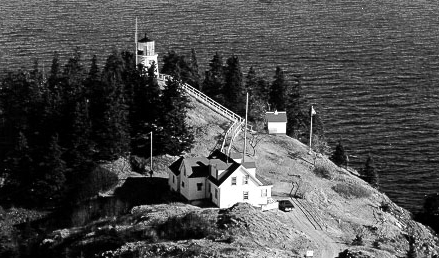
(226,135)
(208,100)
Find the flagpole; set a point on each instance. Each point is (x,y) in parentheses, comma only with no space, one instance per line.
(245,130)
(135,38)
(310,131)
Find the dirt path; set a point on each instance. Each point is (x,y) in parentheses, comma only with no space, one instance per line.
(326,246)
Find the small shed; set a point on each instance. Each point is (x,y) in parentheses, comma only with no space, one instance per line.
(277,122)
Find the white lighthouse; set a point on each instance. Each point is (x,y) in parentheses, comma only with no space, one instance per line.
(146,53)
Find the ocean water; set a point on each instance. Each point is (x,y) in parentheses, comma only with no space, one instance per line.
(370,67)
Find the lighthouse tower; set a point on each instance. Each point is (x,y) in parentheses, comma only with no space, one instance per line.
(146,53)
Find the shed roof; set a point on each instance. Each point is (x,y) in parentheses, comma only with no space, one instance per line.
(276,116)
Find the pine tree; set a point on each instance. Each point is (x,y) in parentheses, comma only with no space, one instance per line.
(298,119)
(19,170)
(176,135)
(339,156)
(111,132)
(263,89)
(369,173)
(233,90)
(257,104)
(214,79)
(146,112)
(278,91)
(50,180)
(196,77)
(55,73)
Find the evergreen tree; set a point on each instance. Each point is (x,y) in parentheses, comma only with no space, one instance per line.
(171,62)
(19,172)
(55,73)
(214,79)
(80,148)
(177,66)
(257,104)
(50,179)
(339,156)
(146,112)
(251,82)
(298,119)
(233,90)
(176,135)
(73,79)
(369,173)
(196,77)
(111,132)
(278,91)
(263,90)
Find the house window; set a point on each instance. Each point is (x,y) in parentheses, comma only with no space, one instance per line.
(216,193)
(209,187)
(264,192)
(173,179)
(245,180)
(199,186)
(182,184)
(245,195)
(234,180)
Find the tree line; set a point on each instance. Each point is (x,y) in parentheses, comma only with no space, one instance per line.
(54,129)
(225,83)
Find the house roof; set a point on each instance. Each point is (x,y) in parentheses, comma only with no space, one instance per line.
(263,181)
(276,116)
(199,171)
(175,167)
(249,164)
(236,155)
(225,174)
(217,154)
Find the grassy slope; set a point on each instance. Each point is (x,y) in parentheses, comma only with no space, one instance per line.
(342,203)
(353,209)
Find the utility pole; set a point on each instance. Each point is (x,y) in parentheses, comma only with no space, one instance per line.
(245,130)
(151,171)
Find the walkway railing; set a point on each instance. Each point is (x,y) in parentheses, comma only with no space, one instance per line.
(238,122)
(207,101)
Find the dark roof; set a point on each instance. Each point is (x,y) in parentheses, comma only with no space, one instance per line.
(236,155)
(249,164)
(225,174)
(145,39)
(217,154)
(276,116)
(199,171)
(263,181)
(175,167)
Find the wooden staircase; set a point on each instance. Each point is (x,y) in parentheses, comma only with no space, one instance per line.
(238,121)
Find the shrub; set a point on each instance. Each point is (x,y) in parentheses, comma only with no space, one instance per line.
(358,240)
(339,156)
(351,191)
(190,226)
(323,171)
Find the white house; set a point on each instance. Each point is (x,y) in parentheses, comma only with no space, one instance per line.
(220,179)
(276,122)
